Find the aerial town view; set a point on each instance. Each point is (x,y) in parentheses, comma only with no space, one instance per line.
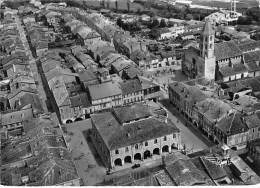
(130,92)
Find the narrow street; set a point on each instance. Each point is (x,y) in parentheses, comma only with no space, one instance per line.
(33,66)
(191,137)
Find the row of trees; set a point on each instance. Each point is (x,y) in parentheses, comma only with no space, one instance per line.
(136,25)
(252,16)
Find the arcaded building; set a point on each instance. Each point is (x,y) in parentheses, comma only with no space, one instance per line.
(129,135)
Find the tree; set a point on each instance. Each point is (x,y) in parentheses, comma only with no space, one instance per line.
(155,23)
(163,23)
(256,36)
(154,33)
(244,20)
(189,17)
(119,22)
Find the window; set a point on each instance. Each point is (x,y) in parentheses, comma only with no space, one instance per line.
(117,152)
(258,128)
(210,46)
(136,146)
(126,149)
(146,144)
(173,136)
(165,138)
(155,141)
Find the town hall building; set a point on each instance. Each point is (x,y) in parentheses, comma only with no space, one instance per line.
(129,135)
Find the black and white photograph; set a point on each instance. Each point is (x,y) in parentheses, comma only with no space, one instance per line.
(130,93)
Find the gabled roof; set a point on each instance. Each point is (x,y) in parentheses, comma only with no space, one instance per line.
(193,94)
(80,100)
(25,90)
(32,99)
(52,160)
(185,173)
(146,83)
(216,172)
(130,86)
(249,46)
(252,56)
(230,71)
(232,124)
(16,117)
(253,121)
(132,72)
(87,75)
(104,90)
(116,135)
(125,114)
(15,152)
(225,50)
(213,109)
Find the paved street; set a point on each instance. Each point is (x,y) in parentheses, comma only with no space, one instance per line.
(190,136)
(87,161)
(32,63)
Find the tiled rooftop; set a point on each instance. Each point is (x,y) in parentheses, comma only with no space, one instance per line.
(125,135)
(225,50)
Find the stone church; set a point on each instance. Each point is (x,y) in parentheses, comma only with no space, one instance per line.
(214,61)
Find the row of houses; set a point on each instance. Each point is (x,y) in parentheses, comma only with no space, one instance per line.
(39,36)
(234,123)
(81,93)
(40,157)
(19,97)
(89,77)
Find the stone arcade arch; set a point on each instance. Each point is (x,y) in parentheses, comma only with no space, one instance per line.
(118,162)
(174,146)
(195,123)
(78,119)
(69,121)
(165,149)
(138,156)
(147,154)
(156,151)
(128,159)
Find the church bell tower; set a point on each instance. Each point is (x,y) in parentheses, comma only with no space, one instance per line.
(207,51)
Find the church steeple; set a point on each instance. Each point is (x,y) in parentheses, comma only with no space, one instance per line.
(207,41)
